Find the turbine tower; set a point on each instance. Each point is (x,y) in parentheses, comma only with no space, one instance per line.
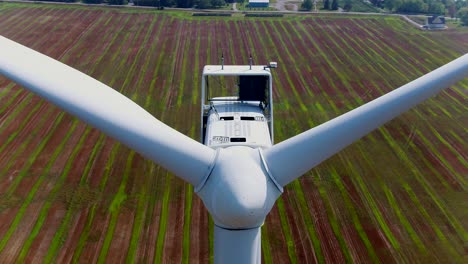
(238,184)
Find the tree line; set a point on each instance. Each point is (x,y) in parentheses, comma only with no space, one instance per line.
(452,8)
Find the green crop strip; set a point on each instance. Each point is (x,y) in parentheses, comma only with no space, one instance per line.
(10,101)
(321,53)
(266,249)
(309,223)
(25,121)
(184,68)
(187,217)
(403,220)
(114,209)
(334,223)
(43,213)
(437,230)
(356,177)
(59,236)
(390,198)
(163,220)
(20,150)
(169,86)
(429,190)
(138,222)
(354,216)
(147,61)
(133,70)
(440,157)
(6,90)
(36,186)
(85,234)
(286,230)
(158,64)
(25,25)
(196,80)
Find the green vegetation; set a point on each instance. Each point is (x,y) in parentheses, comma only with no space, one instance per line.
(395,196)
(463,15)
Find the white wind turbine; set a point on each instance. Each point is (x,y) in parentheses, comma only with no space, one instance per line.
(238,184)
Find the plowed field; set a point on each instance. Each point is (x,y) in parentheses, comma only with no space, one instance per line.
(70,194)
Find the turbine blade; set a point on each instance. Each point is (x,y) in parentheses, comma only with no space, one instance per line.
(107,110)
(293,157)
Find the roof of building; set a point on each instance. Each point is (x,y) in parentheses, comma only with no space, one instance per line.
(259,1)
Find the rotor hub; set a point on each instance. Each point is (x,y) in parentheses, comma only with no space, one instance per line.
(239,193)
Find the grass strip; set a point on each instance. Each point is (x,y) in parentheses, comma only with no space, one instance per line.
(334,224)
(5,90)
(34,189)
(57,240)
(114,209)
(185,55)
(139,219)
(355,218)
(163,220)
(25,121)
(187,217)
(286,231)
(85,234)
(10,101)
(266,250)
(435,227)
(309,223)
(356,177)
(403,220)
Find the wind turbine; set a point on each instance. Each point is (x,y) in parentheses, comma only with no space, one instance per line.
(237,183)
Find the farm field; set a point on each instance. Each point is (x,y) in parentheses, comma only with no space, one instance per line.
(70,194)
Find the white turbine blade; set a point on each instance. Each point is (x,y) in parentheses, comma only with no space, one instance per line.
(291,158)
(106,109)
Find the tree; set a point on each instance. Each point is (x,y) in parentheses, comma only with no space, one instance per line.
(412,6)
(204,4)
(217,3)
(334,5)
(326,4)
(451,8)
(392,5)
(348,5)
(436,8)
(307,5)
(463,15)
(118,2)
(90,1)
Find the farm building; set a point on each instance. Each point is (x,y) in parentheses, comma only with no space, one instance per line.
(435,22)
(259,3)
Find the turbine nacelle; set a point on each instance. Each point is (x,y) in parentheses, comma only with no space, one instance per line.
(239,192)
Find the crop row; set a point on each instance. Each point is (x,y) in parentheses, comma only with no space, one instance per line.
(70,194)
